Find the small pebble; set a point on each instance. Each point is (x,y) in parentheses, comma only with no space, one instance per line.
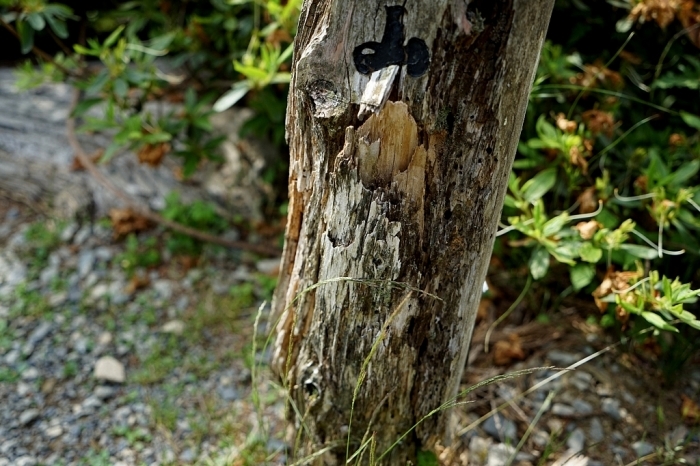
(595,430)
(500,428)
(576,440)
(499,454)
(28,416)
(30,373)
(109,369)
(560,409)
(642,448)
(581,407)
(611,407)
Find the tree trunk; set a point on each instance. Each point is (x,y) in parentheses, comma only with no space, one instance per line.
(403,123)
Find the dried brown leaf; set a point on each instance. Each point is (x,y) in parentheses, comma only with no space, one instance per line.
(152,154)
(505,351)
(125,221)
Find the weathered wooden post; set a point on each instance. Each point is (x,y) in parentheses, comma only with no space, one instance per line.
(403,122)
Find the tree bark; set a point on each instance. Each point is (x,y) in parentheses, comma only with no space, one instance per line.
(400,197)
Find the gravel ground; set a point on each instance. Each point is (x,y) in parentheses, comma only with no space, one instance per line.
(92,372)
(95,372)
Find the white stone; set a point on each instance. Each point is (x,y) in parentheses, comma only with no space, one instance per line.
(104,339)
(53,432)
(176,327)
(30,374)
(108,368)
(499,454)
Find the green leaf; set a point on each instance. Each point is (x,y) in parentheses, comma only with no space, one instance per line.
(566,251)
(121,87)
(85,105)
(643,252)
(281,78)
(229,99)
(539,262)
(285,55)
(590,253)
(523,164)
(156,138)
(251,72)
(683,174)
(112,39)
(624,25)
(538,186)
(581,275)
(36,21)
(26,36)
(658,322)
(203,123)
(110,152)
(555,224)
(694,323)
(57,26)
(691,120)
(545,129)
(85,51)
(427,458)
(666,285)
(627,306)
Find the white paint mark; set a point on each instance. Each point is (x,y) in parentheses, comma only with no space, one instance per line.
(377,90)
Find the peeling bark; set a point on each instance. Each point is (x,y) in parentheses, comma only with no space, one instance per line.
(394,179)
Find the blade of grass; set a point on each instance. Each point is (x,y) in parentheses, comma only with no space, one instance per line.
(531,427)
(452,402)
(535,387)
(505,315)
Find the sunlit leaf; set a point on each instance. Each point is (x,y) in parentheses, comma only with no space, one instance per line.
(539,262)
(658,322)
(229,99)
(690,119)
(590,253)
(643,252)
(581,275)
(26,36)
(538,186)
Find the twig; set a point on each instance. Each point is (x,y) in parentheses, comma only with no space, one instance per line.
(147,212)
(507,313)
(37,51)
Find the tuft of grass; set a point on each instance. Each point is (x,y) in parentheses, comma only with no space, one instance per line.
(42,238)
(164,413)
(29,303)
(158,364)
(95,458)
(8,375)
(7,336)
(218,314)
(135,436)
(70,369)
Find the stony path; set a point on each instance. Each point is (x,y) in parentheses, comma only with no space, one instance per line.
(95,372)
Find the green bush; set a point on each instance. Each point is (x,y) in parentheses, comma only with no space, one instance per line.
(605,185)
(606,178)
(163,50)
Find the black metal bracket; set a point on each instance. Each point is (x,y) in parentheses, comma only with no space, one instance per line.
(373,56)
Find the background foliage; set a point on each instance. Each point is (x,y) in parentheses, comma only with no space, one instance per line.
(604,198)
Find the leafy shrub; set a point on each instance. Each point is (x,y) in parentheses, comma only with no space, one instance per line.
(198,215)
(606,181)
(143,48)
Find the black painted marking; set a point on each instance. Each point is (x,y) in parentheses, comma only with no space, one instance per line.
(373,56)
